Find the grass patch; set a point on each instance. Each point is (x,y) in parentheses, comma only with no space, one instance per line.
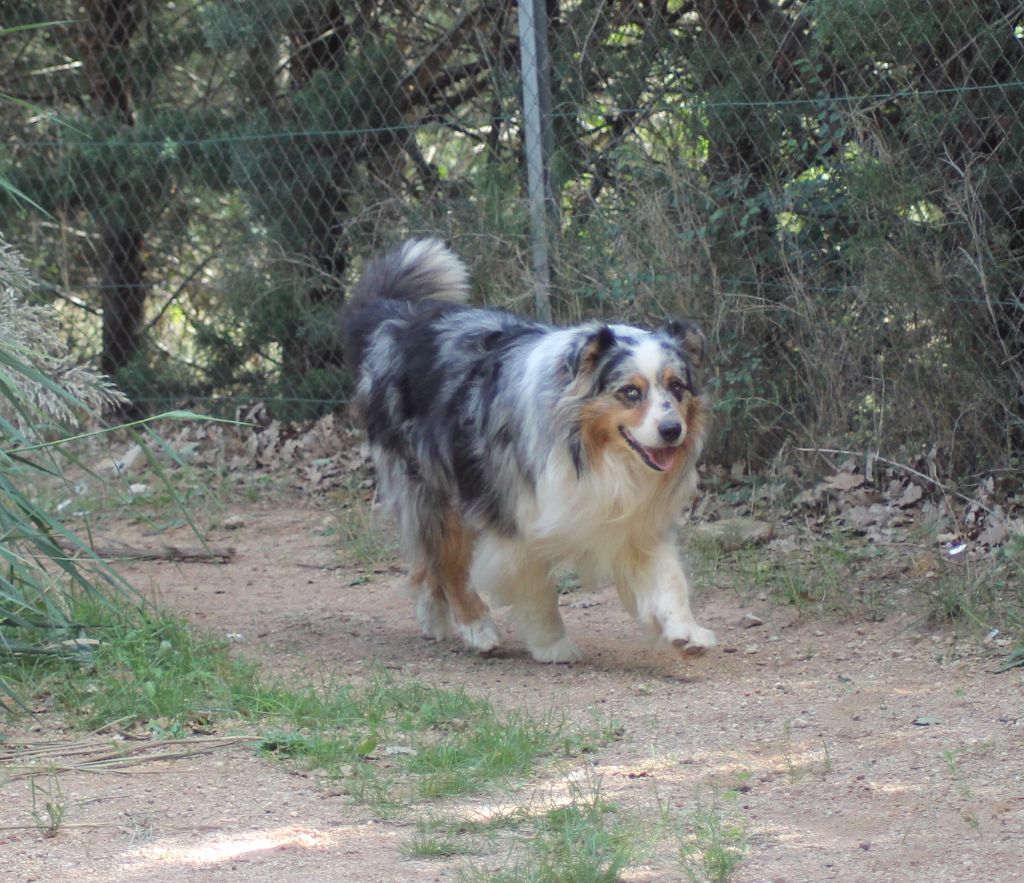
(835,572)
(712,842)
(808,764)
(442,835)
(583,841)
(494,748)
(980,593)
(137,668)
(814,580)
(388,742)
(161,485)
(829,577)
(369,540)
(587,839)
(49,804)
(433,842)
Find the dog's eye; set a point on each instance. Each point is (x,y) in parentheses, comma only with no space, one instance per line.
(631,394)
(677,388)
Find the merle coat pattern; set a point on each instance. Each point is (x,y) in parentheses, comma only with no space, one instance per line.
(506,448)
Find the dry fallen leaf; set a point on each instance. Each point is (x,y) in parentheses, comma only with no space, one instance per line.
(995,534)
(910,496)
(844,481)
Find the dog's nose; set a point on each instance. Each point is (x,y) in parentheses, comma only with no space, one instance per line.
(670,430)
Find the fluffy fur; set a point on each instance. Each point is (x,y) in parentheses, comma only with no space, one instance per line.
(506,448)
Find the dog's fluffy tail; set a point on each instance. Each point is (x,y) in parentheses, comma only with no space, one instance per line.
(416,270)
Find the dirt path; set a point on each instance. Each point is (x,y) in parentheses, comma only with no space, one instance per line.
(860,751)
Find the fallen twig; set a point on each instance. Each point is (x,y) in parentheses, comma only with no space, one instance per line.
(123,552)
(101,756)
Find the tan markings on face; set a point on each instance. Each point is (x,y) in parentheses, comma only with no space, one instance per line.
(671,378)
(668,375)
(600,420)
(633,414)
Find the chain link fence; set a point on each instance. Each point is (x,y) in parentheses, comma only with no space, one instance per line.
(834,188)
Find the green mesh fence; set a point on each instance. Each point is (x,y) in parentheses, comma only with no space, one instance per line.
(834,188)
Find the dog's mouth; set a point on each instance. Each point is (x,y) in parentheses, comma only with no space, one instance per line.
(659,459)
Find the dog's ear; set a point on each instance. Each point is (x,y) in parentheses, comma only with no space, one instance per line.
(594,346)
(689,336)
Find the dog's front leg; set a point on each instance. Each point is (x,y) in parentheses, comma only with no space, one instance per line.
(661,593)
(508,572)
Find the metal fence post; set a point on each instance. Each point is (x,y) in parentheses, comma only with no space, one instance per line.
(533,54)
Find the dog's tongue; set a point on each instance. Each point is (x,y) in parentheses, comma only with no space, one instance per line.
(661,457)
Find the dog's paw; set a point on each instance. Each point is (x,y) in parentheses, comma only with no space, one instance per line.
(693,640)
(563,650)
(434,618)
(480,634)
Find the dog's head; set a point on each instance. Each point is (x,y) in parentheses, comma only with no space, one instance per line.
(638,395)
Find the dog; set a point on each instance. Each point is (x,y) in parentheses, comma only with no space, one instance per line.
(506,448)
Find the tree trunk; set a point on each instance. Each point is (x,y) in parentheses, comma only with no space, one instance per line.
(107,34)
(123,295)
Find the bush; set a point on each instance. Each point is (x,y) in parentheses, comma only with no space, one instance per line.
(45,567)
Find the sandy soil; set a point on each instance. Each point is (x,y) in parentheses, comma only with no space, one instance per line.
(862,751)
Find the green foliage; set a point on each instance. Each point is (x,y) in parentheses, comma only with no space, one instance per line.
(49,804)
(833,187)
(149,669)
(975,595)
(52,585)
(387,741)
(41,392)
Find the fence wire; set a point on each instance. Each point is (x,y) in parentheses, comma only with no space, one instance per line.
(835,188)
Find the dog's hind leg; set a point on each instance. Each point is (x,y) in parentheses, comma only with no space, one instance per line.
(413,507)
(508,574)
(432,610)
(449,575)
